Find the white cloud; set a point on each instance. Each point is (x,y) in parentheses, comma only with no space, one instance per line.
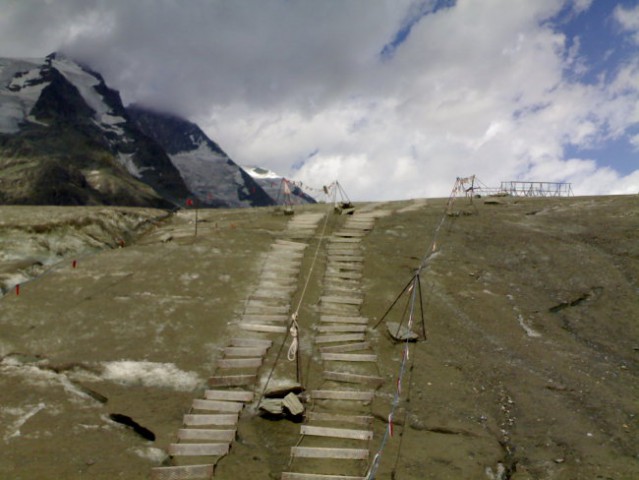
(301,88)
(628,18)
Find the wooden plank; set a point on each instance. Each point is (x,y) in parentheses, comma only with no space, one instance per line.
(347,275)
(348,337)
(353,378)
(349,357)
(265,318)
(342,328)
(342,395)
(198,449)
(345,240)
(316,476)
(240,362)
(341,299)
(251,342)
(347,258)
(346,347)
(217,405)
(218,419)
(316,431)
(183,472)
(231,395)
(342,319)
(244,351)
(339,418)
(335,453)
(260,309)
(256,327)
(345,266)
(232,380)
(295,245)
(206,434)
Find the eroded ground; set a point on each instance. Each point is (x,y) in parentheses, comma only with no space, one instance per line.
(530,370)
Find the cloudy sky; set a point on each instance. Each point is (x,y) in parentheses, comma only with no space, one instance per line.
(393,98)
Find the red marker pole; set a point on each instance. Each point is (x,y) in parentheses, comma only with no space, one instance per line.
(18,289)
(74,263)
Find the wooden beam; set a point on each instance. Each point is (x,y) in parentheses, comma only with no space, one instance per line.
(342,395)
(256,327)
(336,453)
(240,362)
(349,337)
(339,418)
(341,299)
(349,357)
(232,380)
(346,347)
(206,434)
(341,328)
(231,395)
(198,449)
(353,378)
(192,420)
(183,472)
(315,431)
(217,405)
(342,319)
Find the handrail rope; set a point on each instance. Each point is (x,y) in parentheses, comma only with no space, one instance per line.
(370,475)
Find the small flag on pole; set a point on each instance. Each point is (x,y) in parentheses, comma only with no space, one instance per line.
(189,202)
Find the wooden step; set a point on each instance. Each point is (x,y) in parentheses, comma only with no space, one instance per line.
(230,395)
(219,419)
(342,319)
(346,347)
(365,396)
(244,351)
(346,377)
(342,328)
(349,357)
(339,418)
(251,318)
(206,434)
(251,342)
(316,431)
(342,299)
(335,453)
(316,476)
(295,245)
(347,258)
(257,327)
(240,362)
(348,337)
(198,449)
(341,275)
(217,405)
(184,472)
(349,234)
(232,380)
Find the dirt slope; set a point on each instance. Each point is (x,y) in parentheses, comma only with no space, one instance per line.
(530,370)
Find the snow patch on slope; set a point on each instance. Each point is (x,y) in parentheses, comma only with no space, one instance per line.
(19,91)
(209,175)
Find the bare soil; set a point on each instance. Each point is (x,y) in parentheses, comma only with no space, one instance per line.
(530,369)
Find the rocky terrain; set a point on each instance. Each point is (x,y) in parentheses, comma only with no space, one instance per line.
(530,369)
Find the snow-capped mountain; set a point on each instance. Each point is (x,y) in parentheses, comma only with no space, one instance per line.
(280,189)
(207,170)
(66,138)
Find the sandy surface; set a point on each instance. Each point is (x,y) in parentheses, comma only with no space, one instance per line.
(530,370)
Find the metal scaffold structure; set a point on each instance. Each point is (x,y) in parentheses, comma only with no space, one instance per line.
(536,189)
